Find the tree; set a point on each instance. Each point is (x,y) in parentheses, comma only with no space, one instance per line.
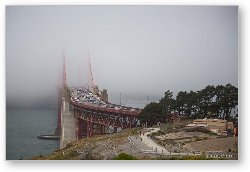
(167,102)
(181,102)
(192,107)
(206,97)
(216,102)
(151,114)
(227,99)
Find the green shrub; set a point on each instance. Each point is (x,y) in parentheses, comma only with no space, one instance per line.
(179,126)
(169,142)
(198,139)
(198,129)
(160,133)
(124,156)
(135,131)
(166,127)
(212,134)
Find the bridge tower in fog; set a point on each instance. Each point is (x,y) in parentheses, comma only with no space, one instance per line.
(62,91)
(64,73)
(91,80)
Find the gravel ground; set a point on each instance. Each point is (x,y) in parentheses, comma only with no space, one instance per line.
(183,134)
(110,148)
(217,144)
(137,142)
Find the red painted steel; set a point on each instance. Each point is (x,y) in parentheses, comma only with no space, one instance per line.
(97,120)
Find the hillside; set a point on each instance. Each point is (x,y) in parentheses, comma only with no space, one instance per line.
(96,148)
(127,145)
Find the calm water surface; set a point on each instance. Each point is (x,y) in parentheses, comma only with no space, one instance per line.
(22,129)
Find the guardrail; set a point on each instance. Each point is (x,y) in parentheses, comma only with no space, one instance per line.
(125,112)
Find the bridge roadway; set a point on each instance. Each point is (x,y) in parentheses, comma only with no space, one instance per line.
(92,116)
(68,125)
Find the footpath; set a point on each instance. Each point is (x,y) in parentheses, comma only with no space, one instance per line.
(153,145)
(149,142)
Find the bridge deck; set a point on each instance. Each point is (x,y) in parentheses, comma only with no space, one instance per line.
(92,116)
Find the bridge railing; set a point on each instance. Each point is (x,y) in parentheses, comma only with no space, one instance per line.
(125,112)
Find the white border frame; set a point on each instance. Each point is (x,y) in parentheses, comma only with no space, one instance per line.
(243,70)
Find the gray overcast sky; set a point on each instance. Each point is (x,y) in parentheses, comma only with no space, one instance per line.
(143,50)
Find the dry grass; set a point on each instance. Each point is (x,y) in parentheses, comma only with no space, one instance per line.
(89,148)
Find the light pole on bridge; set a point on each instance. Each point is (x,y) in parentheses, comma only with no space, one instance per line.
(120,98)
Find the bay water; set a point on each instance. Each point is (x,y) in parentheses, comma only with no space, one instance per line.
(22,128)
(24,125)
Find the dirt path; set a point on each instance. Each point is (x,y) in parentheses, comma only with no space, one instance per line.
(150,143)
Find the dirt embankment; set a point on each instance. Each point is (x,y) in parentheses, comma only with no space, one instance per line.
(216,144)
(178,138)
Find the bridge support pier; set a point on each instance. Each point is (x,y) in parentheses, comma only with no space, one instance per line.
(115,129)
(77,124)
(102,129)
(82,128)
(89,129)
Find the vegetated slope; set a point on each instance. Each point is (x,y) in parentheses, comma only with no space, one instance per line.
(95,148)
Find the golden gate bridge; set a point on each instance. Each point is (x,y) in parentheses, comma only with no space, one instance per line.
(85,112)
